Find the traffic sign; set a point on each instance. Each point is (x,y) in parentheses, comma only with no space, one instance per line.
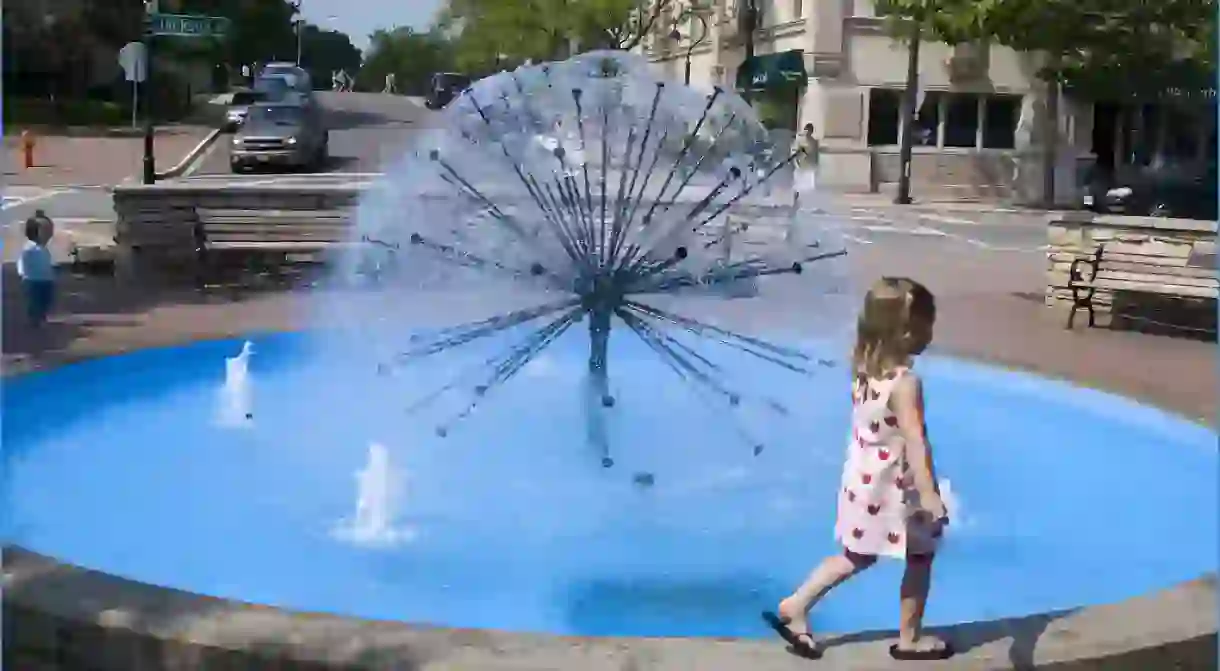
(133,58)
(187,25)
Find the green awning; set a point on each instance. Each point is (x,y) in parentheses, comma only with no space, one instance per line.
(768,71)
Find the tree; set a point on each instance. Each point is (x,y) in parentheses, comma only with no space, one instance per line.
(325,51)
(259,31)
(413,57)
(488,32)
(1098,48)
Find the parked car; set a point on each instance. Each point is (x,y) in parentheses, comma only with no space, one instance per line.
(445,86)
(280,135)
(1171,190)
(239,106)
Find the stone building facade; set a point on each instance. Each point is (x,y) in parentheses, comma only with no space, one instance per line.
(983,113)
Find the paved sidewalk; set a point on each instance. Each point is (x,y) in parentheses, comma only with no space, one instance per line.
(95,161)
(931,204)
(997,315)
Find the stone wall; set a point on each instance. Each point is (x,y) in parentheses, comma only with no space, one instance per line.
(1152,251)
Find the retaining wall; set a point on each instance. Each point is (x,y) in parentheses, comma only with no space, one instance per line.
(61,617)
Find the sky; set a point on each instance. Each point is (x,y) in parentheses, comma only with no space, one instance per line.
(359,18)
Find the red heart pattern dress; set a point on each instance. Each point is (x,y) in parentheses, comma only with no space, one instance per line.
(877,501)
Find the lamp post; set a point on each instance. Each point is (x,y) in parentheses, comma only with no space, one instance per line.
(299,24)
(676,35)
(749,24)
(150,161)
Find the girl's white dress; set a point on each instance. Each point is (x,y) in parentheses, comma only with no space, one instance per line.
(877,500)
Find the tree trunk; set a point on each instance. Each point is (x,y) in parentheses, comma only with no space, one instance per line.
(1050,143)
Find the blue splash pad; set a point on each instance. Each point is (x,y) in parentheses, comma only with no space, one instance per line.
(118,464)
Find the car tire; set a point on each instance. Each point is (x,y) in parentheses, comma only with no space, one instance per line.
(237,168)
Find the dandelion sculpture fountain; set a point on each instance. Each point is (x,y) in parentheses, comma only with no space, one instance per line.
(609,188)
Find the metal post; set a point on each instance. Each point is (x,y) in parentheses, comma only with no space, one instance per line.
(150,161)
(300,38)
(694,44)
(910,98)
(751,21)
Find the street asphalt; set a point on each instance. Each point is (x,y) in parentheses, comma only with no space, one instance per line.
(369,131)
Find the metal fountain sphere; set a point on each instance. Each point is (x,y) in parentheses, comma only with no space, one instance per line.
(595,184)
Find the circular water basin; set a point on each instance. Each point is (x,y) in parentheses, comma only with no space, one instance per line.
(1062,496)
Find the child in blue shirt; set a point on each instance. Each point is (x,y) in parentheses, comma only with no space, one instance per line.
(36,269)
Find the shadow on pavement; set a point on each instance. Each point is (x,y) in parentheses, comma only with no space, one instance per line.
(1024,634)
(344,119)
(85,305)
(340,163)
(333,164)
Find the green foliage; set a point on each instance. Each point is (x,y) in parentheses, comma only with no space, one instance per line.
(541,30)
(259,31)
(411,56)
(325,51)
(1104,48)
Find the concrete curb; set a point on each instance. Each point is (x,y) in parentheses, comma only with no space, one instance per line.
(194,155)
(59,611)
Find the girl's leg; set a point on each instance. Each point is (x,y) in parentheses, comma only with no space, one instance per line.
(916,583)
(832,572)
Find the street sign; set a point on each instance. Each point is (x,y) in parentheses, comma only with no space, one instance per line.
(186,25)
(133,58)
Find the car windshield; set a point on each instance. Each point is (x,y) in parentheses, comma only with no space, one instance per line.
(285,115)
(247,97)
(271,86)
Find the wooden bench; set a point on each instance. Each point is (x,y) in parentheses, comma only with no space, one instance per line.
(1135,273)
(283,235)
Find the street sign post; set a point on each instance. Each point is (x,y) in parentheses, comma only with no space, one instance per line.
(188,25)
(133,58)
(157,25)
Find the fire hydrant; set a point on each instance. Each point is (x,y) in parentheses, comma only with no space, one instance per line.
(27,149)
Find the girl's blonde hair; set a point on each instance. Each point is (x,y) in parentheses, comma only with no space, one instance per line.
(885,337)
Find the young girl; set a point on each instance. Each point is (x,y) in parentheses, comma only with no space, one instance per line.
(889,503)
(36,269)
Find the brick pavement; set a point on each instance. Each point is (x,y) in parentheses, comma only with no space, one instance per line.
(95,161)
(987,311)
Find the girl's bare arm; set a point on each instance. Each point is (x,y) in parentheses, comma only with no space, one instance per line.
(908,407)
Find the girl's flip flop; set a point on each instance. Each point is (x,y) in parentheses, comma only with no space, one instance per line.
(939,653)
(802,643)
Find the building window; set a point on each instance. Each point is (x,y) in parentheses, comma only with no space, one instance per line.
(962,120)
(944,119)
(883,116)
(1001,114)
